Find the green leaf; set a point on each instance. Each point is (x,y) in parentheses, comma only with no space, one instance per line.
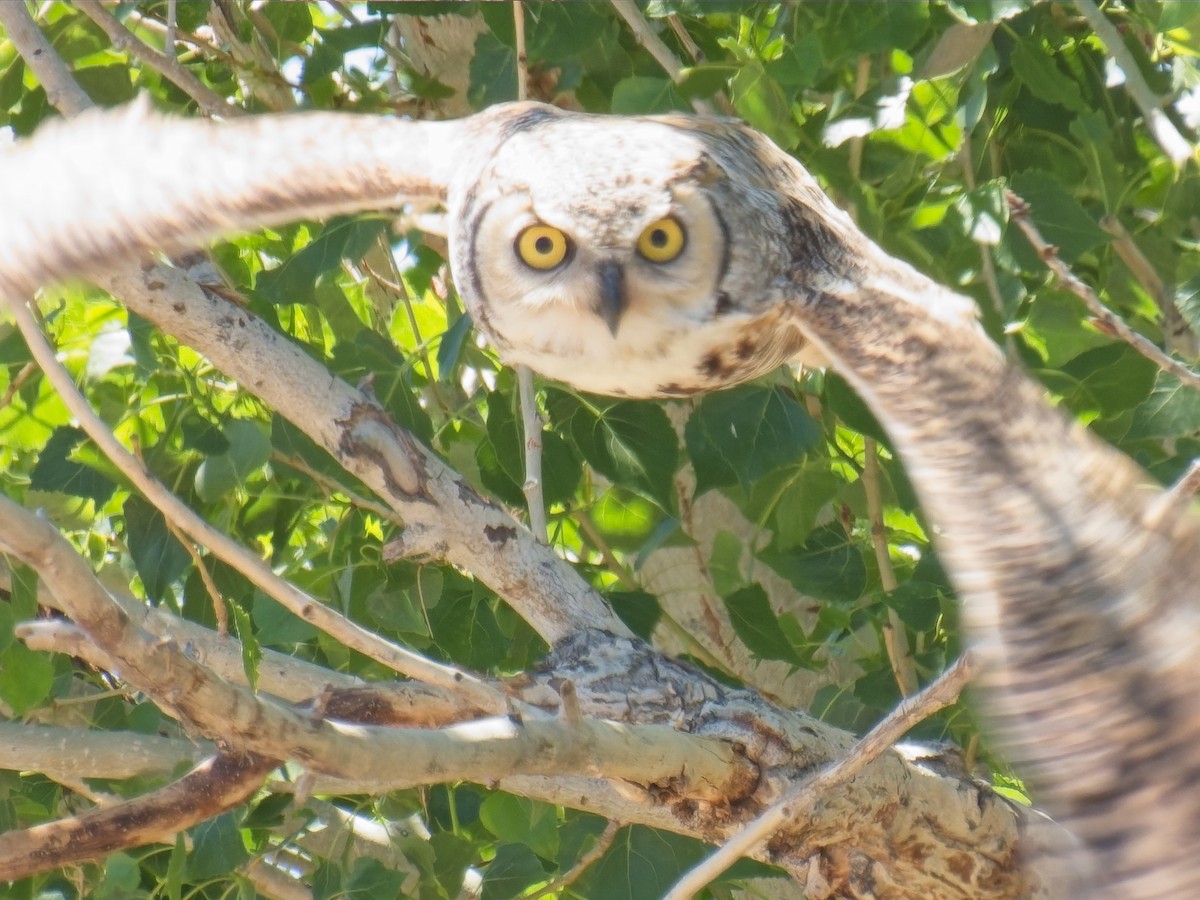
(176,869)
(757,626)
(158,557)
(642,95)
(249,450)
(1110,379)
(630,442)
(392,381)
(511,871)
(844,402)
(295,279)
(493,72)
(642,864)
(106,85)
(828,566)
(121,879)
(851,28)
(251,649)
(371,879)
(56,471)
(637,609)
(277,626)
(1058,216)
(798,65)
(1171,411)
(740,435)
(524,821)
(502,457)
(1037,70)
(465,628)
(25,678)
(559,31)
(217,848)
(291,21)
(764,104)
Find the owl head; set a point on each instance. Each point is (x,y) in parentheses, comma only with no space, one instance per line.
(634,257)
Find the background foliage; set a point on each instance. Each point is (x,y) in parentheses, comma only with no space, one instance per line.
(918,136)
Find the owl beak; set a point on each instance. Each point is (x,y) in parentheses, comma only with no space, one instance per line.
(612,294)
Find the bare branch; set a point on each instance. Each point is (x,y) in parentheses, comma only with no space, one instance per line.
(62,92)
(531,422)
(895,638)
(1177,148)
(1177,335)
(1106,319)
(220,783)
(230,551)
(54,750)
(164,63)
(799,802)
(648,38)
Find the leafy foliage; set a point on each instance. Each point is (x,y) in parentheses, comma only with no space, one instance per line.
(918,142)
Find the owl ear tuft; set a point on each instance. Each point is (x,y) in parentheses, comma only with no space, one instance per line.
(706,171)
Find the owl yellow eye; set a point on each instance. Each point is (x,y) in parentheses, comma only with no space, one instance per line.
(662,241)
(542,247)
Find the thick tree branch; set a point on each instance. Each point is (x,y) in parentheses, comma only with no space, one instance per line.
(238,557)
(799,802)
(214,786)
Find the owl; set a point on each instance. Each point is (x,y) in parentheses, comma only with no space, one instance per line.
(645,259)
(663,256)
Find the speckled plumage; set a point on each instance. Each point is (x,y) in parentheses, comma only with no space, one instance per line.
(1078,578)
(709,318)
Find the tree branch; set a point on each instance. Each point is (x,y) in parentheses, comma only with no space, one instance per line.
(800,800)
(164,63)
(1106,319)
(1163,130)
(218,784)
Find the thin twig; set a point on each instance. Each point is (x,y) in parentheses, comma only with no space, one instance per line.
(603,842)
(1177,335)
(1108,321)
(164,63)
(987,264)
(1174,144)
(531,422)
(1175,500)
(220,613)
(649,39)
(895,638)
(862,79)
(333,486)
(804,797)
(611,563)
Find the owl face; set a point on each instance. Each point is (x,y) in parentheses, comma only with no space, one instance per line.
(598,254)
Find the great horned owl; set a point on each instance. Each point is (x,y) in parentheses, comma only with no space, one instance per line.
(662,256)
(645,258)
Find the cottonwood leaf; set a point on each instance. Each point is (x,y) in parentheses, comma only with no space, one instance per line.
(158,557)
(642,864)
(514,868)
(1171,411)
(757,625)
(629,442)
(738,436)
(56,471)
(828,566)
